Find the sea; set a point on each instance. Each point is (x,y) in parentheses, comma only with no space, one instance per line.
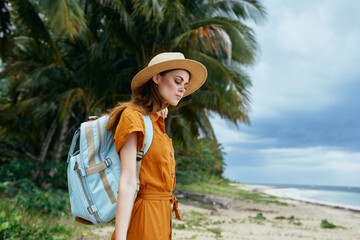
(336,196)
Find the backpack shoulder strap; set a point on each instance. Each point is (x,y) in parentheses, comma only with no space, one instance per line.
(142,152)
(148,133)
(148,137)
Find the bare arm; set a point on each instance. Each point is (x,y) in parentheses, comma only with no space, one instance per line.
(127,187)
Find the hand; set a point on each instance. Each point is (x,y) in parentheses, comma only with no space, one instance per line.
(163,112)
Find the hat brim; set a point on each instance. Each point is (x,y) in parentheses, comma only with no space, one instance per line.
(197,71)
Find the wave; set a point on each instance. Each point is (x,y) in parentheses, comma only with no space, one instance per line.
(347,200)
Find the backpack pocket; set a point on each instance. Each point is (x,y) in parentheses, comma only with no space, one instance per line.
(104,193)
(81,206)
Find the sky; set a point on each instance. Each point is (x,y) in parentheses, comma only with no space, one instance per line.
(305,117)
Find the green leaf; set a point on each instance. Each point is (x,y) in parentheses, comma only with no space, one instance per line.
(4,225)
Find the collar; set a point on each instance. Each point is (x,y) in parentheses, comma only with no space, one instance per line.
(159,121)
(155,117)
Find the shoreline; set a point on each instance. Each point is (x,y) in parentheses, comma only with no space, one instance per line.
(249,220)
(246,220)
(274,191)
(317,202)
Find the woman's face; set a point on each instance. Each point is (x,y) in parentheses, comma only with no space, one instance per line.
(172,85)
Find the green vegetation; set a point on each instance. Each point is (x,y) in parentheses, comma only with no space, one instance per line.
(12,227)
(202,161)
(217,232)
(233,220)
(291,219)
(27,212)
(223,188)
(178,226)
(63,61)
(326,224)
(26,195)
(195,219)
(259,218)
(200,222)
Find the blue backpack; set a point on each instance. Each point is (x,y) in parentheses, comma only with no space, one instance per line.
(93,172)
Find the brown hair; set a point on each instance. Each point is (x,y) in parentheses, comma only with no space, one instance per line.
(146,99)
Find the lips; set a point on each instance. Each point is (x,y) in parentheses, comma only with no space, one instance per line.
(178,96)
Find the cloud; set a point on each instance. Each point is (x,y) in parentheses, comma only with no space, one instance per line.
(306,56)
(228,135)
(313,165)
(319,158)
(305,126)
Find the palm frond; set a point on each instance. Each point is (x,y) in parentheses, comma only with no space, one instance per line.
(243,41)
(242,9)
(37,29)
(69,98)
(65,16)
(119,7)
(149,9)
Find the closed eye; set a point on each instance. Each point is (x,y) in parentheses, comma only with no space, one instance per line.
(182,80)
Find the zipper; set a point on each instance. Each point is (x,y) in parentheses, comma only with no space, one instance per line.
(77,169)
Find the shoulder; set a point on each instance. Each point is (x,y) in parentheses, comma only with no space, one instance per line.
(131,117)
(131,120)
(131,111)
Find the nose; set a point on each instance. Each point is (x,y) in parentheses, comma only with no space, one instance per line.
(182,89)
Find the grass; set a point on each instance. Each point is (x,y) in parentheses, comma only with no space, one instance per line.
(17,222)
(198,221)
(178,226)
(30,213)
(217,232)
(326,224)
(291,219)
(225,189)
(259,218)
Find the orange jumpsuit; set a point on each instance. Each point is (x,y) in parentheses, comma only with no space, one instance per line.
(151,214)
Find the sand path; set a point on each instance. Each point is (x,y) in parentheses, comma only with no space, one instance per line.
(240,222)
(256,221)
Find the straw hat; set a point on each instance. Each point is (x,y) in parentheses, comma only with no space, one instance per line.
(172,60)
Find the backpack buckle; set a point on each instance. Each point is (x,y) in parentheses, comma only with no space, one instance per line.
(92,118)
(108,162)
(92,209)
(91,212)
(81,173)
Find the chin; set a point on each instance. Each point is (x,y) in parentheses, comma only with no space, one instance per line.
(174,103)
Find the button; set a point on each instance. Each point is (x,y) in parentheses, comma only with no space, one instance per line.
(171,154)
(172,175)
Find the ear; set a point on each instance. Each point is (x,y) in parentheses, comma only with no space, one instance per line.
(156,78)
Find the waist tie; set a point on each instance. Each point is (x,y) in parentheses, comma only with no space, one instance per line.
(154,195)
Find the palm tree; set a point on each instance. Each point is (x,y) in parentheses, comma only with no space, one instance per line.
(32,58)
(209,31)
(64,62)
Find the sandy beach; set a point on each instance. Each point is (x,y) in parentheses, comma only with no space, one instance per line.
(257,221)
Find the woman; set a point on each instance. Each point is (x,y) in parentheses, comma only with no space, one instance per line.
(167,78)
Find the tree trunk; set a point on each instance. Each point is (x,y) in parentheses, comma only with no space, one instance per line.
(215,202)
(61,142)
(44,149)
